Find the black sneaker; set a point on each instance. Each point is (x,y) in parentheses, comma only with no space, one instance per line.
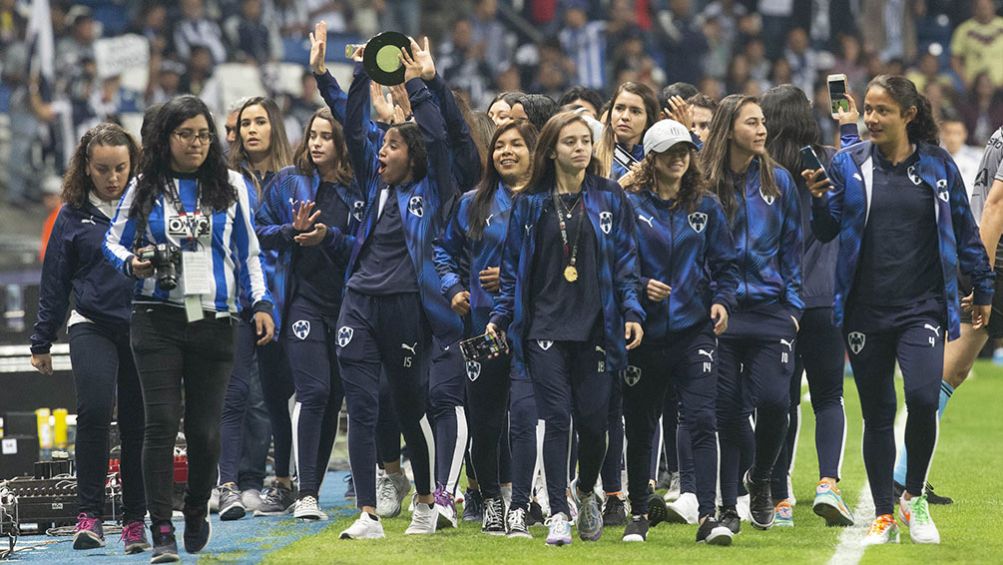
(493,522)
(277,500)
(473,506)
(657,511)
(761,509)
(614,514)
(713,532)
(197,528)
(931,497)
(535,516)
(165,547)
(728,517)
(636,530)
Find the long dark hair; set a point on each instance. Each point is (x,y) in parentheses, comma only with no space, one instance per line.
(923,128)
(416,151)
(716,151)
(155,168)
(77,184)
(304,162)
(692,186)
(544,168)
(479,209)
(278,145)
(792,126)
(605,146)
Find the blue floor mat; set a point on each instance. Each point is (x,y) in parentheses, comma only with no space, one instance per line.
(241,541)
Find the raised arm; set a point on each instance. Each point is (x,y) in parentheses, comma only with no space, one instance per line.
(362,151)
(429,119)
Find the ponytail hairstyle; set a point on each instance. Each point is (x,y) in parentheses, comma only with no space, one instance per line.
(155,174)
(922,128)
(77,184)
(716,153)
(605,145)
(304,162)
(280,154)
(482,130)
(544,175)
(792,126)
(479,209)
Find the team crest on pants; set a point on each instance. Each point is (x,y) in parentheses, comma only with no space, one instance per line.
(416,206)
(301,328)
(698,221)
(345,334)
(544,343)
(632,375)
(473,370)
(856,342)
(606,222)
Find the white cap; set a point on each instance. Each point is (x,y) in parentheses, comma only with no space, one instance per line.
(665,134)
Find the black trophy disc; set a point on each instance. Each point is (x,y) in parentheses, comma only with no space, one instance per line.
(382,57)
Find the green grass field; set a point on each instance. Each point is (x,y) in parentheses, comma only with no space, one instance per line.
(967,467)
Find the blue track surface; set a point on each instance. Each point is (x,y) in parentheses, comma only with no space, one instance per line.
(241,541)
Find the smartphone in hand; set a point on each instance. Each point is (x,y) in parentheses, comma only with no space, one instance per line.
(837,94)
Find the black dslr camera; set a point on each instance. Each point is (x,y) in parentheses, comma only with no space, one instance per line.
(166,260)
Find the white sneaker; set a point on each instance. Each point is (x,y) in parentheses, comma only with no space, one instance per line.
(685,510)
(883,530)
(251,499)
(742,507)
(391,490)
(308,509)
(915,513)
(559,530)
(422,520)
(364,528)
(674,488)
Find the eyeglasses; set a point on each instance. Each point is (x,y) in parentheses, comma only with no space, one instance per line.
(188,136)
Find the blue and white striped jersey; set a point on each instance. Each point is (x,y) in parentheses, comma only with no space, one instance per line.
(234,255)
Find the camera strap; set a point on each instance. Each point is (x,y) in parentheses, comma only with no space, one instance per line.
(198,223)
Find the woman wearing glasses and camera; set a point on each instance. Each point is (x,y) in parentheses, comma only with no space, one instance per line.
(194,213)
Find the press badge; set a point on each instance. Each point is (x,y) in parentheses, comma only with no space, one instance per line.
(195,272)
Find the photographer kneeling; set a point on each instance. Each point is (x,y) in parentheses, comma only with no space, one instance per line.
(184,231)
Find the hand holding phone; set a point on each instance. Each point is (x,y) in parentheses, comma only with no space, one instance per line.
(482,347)
(837,94)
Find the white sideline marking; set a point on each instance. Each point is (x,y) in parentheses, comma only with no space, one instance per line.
(850,550)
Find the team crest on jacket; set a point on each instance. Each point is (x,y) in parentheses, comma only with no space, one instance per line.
(345,334)
(473,370)
(631,375)
(698,221)
(416,206)
(301,329)
(606,222)
(856,342)
(358,207)
(942,190)
(911,171)
(544,344)
(768,199)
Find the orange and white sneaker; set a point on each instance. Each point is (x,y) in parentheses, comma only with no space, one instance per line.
(883,530)
(915,513)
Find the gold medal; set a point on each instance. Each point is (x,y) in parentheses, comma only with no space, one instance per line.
(570,273)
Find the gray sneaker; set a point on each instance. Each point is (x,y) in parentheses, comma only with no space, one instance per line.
(230,505)
(391,490)
(276,500)
(589,517)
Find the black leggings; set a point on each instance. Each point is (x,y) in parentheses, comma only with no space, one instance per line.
(103,369)
(184,369)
